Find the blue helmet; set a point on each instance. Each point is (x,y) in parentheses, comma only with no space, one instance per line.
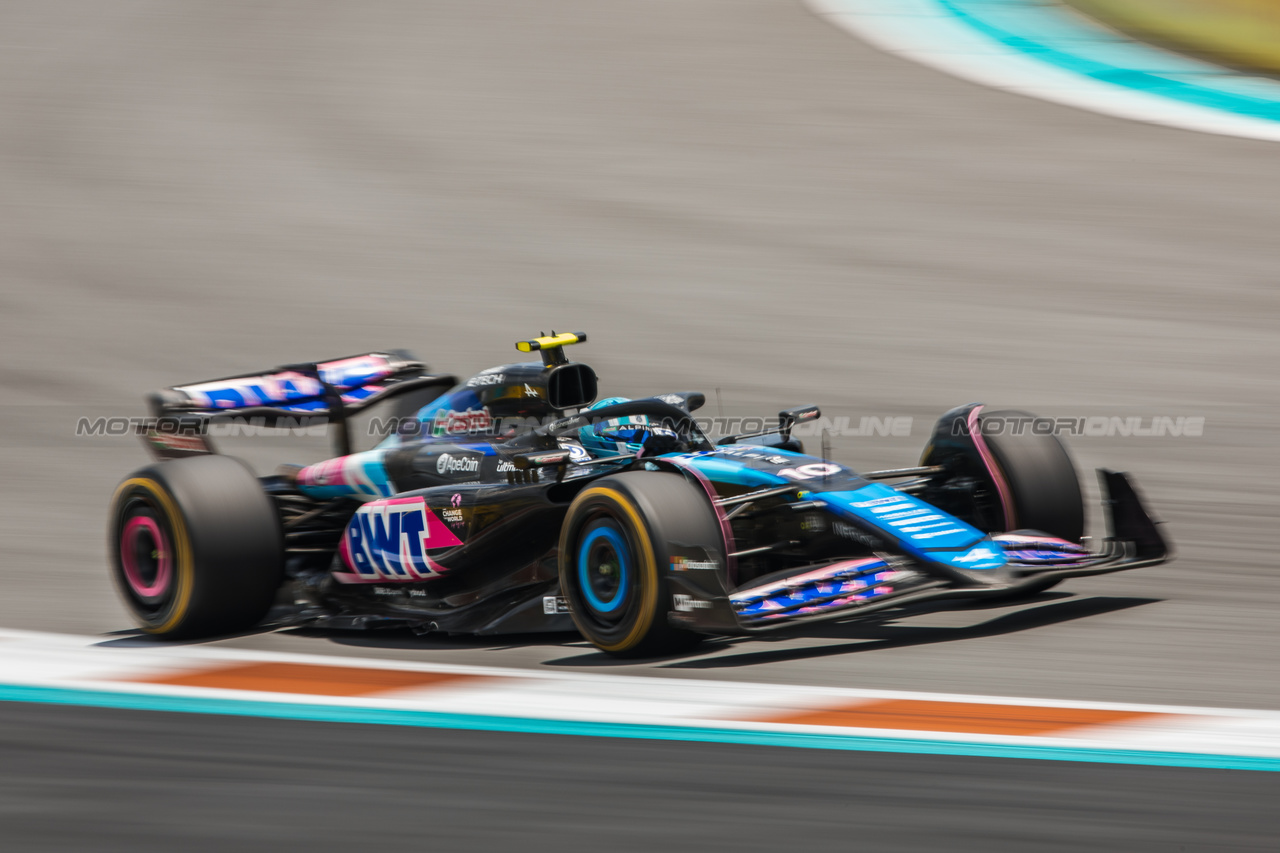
(618,435)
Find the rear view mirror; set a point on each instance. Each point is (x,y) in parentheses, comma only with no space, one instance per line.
(788,418)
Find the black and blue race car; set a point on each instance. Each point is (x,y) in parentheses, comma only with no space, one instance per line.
(512,502)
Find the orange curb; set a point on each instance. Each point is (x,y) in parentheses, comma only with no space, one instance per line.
(971,718)
(311,679)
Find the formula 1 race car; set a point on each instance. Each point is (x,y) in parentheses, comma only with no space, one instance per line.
(509,503)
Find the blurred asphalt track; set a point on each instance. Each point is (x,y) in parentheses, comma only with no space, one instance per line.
(253,784)
(723,193)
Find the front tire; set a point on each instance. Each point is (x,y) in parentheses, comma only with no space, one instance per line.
(1042,481)
(1028,481)
(196,546)
(613,556)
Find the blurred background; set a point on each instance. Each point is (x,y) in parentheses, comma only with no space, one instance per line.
(725,194)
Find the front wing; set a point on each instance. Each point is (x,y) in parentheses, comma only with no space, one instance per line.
(850,588)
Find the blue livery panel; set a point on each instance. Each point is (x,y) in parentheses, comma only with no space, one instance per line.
(920,529)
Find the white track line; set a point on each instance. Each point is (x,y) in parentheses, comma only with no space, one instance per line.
(74,670)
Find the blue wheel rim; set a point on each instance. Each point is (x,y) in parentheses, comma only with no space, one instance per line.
(591,543)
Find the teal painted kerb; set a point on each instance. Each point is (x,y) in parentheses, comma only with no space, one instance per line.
(477,722)
(969,12)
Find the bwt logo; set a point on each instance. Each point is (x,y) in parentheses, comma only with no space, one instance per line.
(390,539)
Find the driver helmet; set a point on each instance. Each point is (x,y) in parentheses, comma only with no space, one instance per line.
(615,436)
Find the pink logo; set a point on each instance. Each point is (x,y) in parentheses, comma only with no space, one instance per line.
(456,500)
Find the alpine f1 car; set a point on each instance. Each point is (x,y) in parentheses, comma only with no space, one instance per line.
(514,503)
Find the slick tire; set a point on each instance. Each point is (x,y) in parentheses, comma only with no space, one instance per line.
(1041,479)
(196,547)
(614,553)
(1042,485)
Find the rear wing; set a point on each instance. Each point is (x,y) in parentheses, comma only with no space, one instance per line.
(333,390)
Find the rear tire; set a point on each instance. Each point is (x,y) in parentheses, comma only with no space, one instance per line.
(196,546)
(613,559)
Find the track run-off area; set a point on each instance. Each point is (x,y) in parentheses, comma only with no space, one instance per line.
(725,194)
(64,670)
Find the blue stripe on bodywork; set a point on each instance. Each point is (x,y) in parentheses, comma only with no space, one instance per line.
(729,470)
(920,529)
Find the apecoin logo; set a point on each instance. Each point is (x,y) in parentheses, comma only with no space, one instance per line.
(448,464)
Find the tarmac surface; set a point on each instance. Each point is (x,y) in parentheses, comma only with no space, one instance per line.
(725,194)
(182,781)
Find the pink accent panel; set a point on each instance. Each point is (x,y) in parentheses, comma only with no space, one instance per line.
(726,529)
(1015,540)
(344,550)
(337,370)
(997,476)
(824,573)
(438,533)
(327,473)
